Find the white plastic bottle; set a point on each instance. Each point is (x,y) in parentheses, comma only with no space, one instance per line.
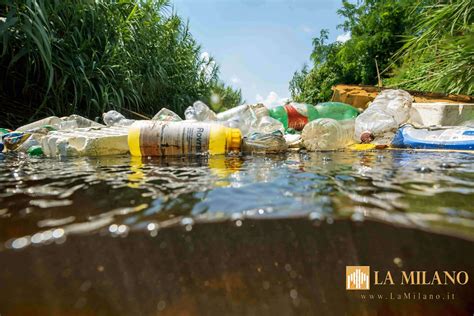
(386,113)
(328,134)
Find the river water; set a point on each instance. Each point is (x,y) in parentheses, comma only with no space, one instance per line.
(58,203)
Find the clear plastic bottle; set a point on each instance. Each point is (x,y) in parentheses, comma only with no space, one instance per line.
(76,121)
(166,115)
(264,143)
(114,118)
(246,118)
(52,120)
(154,138)
(200,112)
(328,134)
(386,113)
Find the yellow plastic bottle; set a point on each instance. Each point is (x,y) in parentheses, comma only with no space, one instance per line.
(156,138)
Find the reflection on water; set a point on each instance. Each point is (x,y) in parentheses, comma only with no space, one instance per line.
(46,200)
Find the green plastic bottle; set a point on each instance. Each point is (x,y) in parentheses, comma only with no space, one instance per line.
(294,115)
(336,110)
(297,115)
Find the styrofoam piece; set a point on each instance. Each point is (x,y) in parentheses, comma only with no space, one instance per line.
(91,141)
(440,114)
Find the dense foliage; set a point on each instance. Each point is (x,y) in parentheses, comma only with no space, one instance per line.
(415,44)
(439,56)
(79,56)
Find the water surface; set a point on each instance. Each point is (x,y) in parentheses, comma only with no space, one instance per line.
(44,200)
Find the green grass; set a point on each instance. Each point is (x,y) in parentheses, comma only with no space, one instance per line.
(439,55)
(83,56)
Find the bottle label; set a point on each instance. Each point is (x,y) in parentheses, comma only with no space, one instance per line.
(296,119)
(161,139)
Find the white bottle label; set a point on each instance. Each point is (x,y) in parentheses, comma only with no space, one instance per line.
(162,139)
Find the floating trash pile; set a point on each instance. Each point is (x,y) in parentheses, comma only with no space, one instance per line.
(392,120)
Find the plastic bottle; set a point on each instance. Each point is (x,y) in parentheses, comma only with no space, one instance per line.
(258,109)
(294,115)
(77,121)
(91,141)
(52,120)
(264,143)
(386,113)
(2,132)
(245,118)
(148,138)
(166,115)
(114,118)
(336,110)
(328,134)
(199,111)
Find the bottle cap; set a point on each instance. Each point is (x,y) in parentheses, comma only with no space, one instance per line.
(366,137)
(233,139)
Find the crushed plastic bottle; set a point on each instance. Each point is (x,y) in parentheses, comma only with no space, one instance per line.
(447,137)
(386,113)
(3,131)
(264,143)
(267,125)
(91,141)
(328,134)
(76,121)
(13,140)
(166,115)
(199,111)
(114,118)
(52,120)
(154,138)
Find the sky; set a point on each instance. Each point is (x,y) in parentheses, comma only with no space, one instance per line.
(259,44)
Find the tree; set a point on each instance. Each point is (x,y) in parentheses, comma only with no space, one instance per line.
(376,28)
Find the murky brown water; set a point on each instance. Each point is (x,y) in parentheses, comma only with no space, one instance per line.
(222,235)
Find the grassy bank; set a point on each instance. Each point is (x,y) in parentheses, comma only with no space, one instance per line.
(86,57)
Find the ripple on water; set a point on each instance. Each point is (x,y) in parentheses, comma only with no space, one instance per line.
(119,194)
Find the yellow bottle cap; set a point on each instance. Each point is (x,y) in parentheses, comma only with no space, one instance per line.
(233,139)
